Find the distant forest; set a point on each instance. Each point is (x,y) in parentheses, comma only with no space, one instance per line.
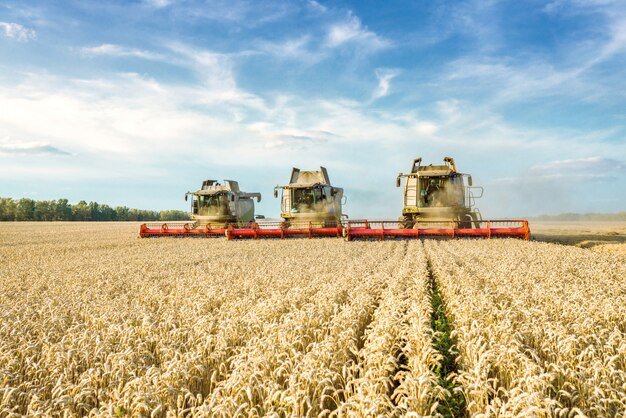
(620,216)
(61,210)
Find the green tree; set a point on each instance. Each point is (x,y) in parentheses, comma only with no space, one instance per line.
(121,213)
(94,211)
(81,211)
(142,215)
(62,210)
(173,215)
(7,209)
(107,213)
(44,210)
(25,210)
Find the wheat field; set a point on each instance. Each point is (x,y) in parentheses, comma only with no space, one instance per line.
(96,322)
(603,236)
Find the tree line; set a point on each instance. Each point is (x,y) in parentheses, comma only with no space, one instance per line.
(61,210)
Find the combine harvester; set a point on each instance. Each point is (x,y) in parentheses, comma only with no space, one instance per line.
(438,202)
(214,207)
(310,207)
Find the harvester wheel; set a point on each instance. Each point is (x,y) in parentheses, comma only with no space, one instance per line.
(466,222)
(407,223)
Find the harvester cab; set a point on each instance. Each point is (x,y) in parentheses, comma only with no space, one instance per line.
(217,203)
(309,197)
(438,194)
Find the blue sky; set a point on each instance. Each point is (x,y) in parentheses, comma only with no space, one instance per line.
(134,103)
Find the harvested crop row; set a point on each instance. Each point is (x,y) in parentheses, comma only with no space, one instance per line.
(100,336)
(100,320)
(274,374)
(95,321)
(540,327)
(395,374)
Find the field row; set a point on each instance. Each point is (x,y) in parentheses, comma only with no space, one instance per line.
(540,328)
(117,326)
(96,322)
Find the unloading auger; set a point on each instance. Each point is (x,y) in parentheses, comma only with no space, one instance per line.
(438,202)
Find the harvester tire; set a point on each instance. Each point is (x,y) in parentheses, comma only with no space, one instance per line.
(406,222)
(466,222)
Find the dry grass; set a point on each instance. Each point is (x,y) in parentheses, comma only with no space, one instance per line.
(94,321)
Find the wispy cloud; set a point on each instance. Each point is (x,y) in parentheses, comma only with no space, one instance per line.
(246,13)
(617,40)
(316,6)
(503,80)
(158,3)
(384,76)
(251,90)
(589,165)
(130,122)
(217,78)
(561,172)
(120,51)
(29,148)
(479,22)
(291,48)
(17,32)
(425,128)
(276,137)
(351,31)
(114,120)
(523,73)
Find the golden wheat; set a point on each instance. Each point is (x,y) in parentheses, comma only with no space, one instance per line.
(94,321)
(541,328)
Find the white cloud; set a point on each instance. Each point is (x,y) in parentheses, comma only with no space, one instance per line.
(17,32)
(294,48)
(316,6)
(616,43)
(587,165)
(352,32)
(426,128)
(216,75)
(120,51)
(384,76)
(8,147)
(242,12)
(276,136)
(158,3)
(564,173)
(557,179)
(479,21)
(524,74)
(129,123)
(503,80)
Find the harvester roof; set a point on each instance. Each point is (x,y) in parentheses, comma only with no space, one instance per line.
(308,178)
(447,169)
(434,170)
(210,187)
